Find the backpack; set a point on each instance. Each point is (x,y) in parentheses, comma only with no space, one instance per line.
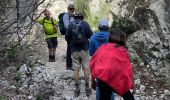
(78,33)
(61,23)
(52,21)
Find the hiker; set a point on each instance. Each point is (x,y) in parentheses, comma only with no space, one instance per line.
(111,67)
(97,40)
(67,18)
(79,33)
(50,29)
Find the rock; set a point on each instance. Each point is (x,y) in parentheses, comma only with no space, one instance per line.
(13,87)
(68,97)
(67,75)
(141,64)
(30,97)
(142,88)
(137,81)
(59,90)
(4,83)
(23,68)
(41,62)
(167,92)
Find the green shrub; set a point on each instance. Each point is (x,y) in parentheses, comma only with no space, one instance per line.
(125,24)
(18,76)
(2,98)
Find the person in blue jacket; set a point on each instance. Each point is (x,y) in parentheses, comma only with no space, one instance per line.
(96,40)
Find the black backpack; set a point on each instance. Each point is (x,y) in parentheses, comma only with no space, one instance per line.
(78,33)
(61,23)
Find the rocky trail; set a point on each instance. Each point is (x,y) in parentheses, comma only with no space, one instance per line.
(50,81)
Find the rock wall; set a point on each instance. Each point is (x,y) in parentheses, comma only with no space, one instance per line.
(152,42)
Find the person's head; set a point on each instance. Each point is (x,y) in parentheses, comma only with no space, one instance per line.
(71,8)
(47,13)
(79,15)
(103,25)
(117,36)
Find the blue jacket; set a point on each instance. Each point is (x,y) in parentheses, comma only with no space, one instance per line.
(87,32)
(97,40)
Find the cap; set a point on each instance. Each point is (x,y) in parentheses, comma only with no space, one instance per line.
(70,6)
(103,23)
(78,14)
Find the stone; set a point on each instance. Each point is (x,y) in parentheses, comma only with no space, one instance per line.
(142,88)
(4,83)
(167,92)
(23,68)
(30,97)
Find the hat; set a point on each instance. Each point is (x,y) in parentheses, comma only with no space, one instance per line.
(78,14)
(70,6)
(103,23)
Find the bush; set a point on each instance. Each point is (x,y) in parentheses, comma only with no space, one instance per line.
(125,24)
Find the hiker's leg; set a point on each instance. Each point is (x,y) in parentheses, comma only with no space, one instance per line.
(68,57)
(128,96)
(76,65)
(85,67)
(50,47)
(113,96)
(105,90)
(55,43)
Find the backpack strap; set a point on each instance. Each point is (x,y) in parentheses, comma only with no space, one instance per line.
(51,19)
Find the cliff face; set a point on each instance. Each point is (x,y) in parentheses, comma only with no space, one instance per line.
(151,43)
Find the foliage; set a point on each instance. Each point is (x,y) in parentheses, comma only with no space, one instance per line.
(125,24)
(2,98)
(132,4)
(13,52)
(18,76)
(82,6)
(38,97)
(91,15)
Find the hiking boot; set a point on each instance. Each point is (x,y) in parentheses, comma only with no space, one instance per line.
(88,91)
(77,90)
(50,58)
(53,58)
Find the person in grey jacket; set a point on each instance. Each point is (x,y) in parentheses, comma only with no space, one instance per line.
(67,18)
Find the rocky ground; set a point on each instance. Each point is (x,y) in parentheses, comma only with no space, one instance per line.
(50,81)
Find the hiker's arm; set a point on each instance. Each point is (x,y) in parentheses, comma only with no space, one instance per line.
(39,20)
(55,24)
(66,20)
(91,47)
(89,31)
(69,33)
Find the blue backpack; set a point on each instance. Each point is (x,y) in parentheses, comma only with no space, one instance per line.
(61,23)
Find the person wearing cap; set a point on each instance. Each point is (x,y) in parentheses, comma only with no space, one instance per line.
(79,51)
(99,38)
(67,18)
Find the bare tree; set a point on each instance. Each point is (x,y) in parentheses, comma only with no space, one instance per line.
(16,24)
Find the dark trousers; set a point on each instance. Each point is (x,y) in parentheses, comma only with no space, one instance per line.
(68,57)
(106,92)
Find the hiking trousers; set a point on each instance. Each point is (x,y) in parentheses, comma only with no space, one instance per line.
(106,92)
(68,56)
